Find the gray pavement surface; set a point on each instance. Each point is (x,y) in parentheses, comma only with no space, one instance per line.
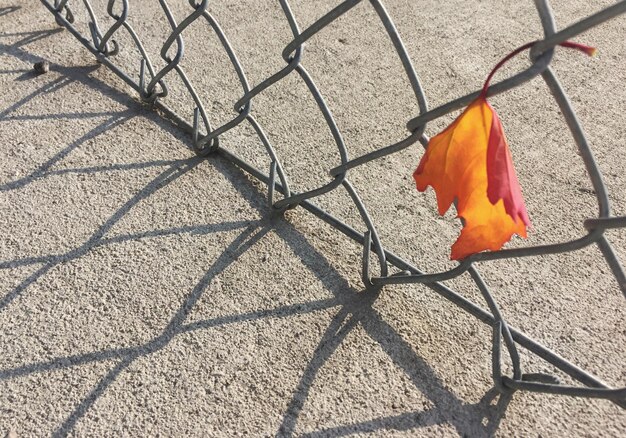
(148,292)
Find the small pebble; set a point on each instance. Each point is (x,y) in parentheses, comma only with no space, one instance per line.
(42,67)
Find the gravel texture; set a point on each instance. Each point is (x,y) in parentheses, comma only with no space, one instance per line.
(145,291)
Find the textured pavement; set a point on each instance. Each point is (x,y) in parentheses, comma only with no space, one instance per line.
(148,292)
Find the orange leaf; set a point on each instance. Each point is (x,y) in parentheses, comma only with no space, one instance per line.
(470,161)
(456,166)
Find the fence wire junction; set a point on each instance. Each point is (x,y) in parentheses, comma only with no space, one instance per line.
(152,88)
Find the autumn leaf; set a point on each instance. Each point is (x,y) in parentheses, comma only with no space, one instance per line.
(470,162)
(455,165)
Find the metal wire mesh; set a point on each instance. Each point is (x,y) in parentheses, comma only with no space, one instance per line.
(152,87)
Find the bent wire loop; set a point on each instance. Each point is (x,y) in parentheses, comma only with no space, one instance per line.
(152,89)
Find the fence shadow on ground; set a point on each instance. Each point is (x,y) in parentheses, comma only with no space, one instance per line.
(354,307)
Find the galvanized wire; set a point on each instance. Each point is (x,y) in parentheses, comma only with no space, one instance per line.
(152,88)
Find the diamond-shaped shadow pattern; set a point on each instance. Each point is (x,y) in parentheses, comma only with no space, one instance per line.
(153,89)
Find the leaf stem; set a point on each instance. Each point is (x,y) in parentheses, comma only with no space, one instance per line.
(568,44)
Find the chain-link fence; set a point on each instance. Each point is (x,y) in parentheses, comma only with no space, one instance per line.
(151,84)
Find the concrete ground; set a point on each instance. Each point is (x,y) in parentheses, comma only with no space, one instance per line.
(145,291)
